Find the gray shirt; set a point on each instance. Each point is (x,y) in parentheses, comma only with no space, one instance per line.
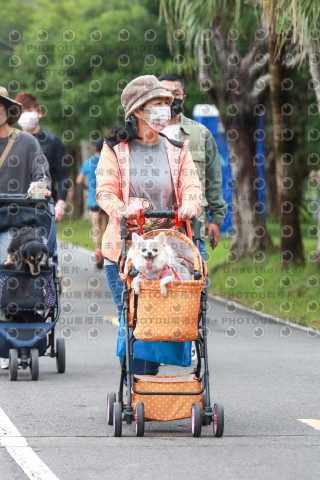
(150,176)
(24,164)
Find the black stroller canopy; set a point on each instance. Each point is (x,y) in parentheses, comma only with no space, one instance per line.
(18,216)
(18,211)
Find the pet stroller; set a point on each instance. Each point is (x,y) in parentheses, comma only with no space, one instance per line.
(29,305)
(178,317)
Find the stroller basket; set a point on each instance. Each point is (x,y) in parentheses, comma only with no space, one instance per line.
(170,318)
(167,407)
(174,317)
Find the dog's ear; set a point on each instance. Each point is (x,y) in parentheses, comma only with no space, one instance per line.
(161,238)
(135,239)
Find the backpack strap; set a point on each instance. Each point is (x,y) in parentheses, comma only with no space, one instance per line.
(11,141)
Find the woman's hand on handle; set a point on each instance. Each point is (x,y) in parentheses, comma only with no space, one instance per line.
(186,213)
(131,212)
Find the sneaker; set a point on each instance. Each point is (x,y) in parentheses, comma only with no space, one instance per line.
(99,259)
(4,363)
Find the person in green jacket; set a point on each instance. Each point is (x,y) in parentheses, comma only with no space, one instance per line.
(205,155)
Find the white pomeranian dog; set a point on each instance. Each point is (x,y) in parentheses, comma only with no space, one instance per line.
(151,258)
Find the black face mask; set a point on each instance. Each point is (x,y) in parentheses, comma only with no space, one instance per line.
(176,107)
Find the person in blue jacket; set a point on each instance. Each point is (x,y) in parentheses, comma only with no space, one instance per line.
(98,217)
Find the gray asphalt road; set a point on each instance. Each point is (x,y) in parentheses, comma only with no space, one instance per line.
(265,374)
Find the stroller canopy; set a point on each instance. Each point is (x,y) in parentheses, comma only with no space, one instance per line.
(18,213)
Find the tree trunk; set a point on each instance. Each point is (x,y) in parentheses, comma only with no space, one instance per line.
(250,233)
(284,145)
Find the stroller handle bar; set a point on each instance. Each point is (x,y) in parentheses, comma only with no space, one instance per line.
(22,199)
(13,195)
(161,214)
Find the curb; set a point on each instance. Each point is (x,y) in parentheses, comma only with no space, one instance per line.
(313,330)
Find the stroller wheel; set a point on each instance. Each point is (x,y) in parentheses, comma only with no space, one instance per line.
(218,420)
(117,419)
(13,364)
(61,355)
(34,363)
(196,419)
(111,400)
(139,419)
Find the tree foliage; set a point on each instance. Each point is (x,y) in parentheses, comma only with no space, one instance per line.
(218,34)
(77,59)
(293,20)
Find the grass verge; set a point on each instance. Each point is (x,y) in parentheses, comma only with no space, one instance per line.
(76,232)
(258,281)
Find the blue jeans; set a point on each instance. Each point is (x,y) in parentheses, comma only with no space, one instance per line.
(138,366)
(115,285)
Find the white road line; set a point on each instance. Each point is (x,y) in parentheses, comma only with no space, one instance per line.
(313,422)
(17,446)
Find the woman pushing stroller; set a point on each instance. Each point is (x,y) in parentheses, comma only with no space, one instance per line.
(140,168)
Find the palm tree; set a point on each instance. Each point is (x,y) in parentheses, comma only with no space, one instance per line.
(232,64)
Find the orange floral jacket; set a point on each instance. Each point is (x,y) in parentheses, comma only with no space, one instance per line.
(113,182)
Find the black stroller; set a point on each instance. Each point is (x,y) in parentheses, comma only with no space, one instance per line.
(29,305)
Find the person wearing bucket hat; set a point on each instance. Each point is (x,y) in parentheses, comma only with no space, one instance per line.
(21,158)
(13,108)
(21,162)
(140,167)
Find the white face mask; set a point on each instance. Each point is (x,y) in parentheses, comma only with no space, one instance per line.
(159,118)
(28,120)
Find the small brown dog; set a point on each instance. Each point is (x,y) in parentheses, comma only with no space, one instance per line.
(26,247)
